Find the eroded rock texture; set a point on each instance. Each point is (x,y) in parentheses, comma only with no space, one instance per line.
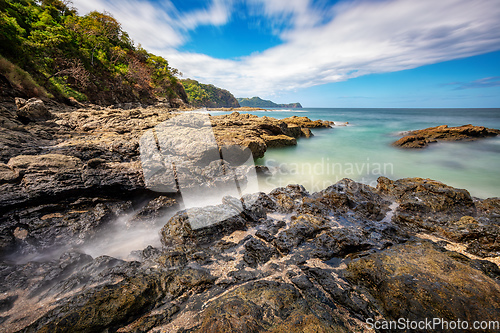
(290,261)
(422,138)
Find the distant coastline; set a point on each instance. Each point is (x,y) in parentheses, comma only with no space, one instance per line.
(262,103)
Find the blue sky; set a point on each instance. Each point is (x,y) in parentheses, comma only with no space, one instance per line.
(361,53)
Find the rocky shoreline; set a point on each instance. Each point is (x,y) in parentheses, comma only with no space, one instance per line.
(284,261)
(292,260)
(87,160)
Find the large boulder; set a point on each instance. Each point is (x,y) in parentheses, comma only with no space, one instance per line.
(33,109)
(202,225)
(417,280)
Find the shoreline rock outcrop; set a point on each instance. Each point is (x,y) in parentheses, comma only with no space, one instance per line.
(291,260)
(49,163)
(422,138)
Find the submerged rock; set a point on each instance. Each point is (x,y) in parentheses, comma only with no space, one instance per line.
(421,138)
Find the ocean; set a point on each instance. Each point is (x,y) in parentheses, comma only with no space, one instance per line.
(362,150)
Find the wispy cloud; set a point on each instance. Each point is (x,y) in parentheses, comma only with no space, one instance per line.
(320,44)
(481,83)
(158,24)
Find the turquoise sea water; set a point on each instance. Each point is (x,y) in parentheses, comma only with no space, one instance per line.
(362,150)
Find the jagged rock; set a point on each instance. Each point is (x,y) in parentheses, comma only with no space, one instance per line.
(490,208)
(431,206)
(8,119)
(202,225)
(421,138)
(109,151)
(291,275)
(349,195)
(7,174)
(302,227)
(340,242)
(258,133)
(277,141)
(266,262)
(306,132)
(53,226)
(288,198)
(268,305)
(155,209)
(32,110)
(257,252)
(108,306)
(95,162)
(305,122)
(56,175)
(482,239)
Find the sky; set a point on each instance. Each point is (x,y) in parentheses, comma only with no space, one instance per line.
(347,53)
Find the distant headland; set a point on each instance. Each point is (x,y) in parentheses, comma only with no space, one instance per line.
(258,102)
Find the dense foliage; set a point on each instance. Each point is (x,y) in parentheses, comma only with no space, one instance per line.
(86,57)
(258,102)
(207,95)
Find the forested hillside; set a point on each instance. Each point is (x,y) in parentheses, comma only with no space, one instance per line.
(47,49)
(208,95)
(258,102)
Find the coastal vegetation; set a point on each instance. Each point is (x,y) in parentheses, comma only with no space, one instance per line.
(208,95)
(258,102)
(48,50)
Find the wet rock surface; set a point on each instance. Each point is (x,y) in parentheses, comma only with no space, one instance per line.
(430,206)
(289,260)
(415,280)
(422,138)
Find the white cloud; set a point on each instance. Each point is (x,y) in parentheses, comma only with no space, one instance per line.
(157,24)
(323,45)
(299,12)
(145,23)
(217,14)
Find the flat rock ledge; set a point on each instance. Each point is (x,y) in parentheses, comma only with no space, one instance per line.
(422,138)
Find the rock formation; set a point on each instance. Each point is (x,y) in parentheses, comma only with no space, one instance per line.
(421,138)
(93,153)
(262,103)
(292,260)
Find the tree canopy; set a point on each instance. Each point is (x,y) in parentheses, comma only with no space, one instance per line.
(86,57)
